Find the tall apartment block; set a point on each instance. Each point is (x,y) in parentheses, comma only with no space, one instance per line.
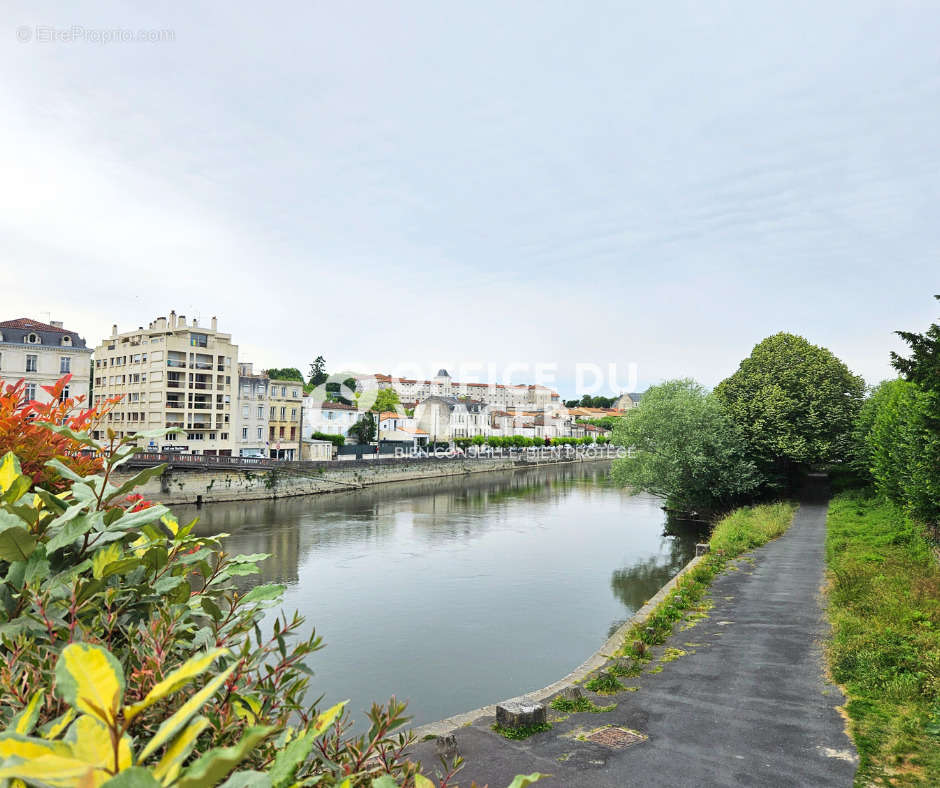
(171,374)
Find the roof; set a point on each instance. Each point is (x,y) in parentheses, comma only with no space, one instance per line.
(17,329)
(390,414)
(326,405)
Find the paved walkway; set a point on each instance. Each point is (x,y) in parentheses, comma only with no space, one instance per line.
(747,705)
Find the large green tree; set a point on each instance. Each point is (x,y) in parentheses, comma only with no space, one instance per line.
(683,447)
(386,400)
(796,404)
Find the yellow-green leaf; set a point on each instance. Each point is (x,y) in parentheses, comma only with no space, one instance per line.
(214,765)
(522,780)
(170,764)
(171,522)
(54,729)
(15,745)
(58,771)
(423,782)
(90,679)
(170,726)
(178,678)
(90,741)
(9,471)
(106,555)
(325,720)
(25,721)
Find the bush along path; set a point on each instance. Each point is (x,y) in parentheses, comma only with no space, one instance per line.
(884,604)
(723,684)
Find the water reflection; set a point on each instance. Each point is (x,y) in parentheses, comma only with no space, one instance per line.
(458,592)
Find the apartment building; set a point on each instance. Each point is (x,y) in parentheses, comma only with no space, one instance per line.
(42,353)
(285,405)
(496,395)
(252,429)
(171,374)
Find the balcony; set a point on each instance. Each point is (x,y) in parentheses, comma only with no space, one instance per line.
(172,362)
(202,365)
(201,406)
(175,405)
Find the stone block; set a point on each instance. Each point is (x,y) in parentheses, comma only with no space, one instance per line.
(702,548)
(572,693)
(513,714)
(447,747)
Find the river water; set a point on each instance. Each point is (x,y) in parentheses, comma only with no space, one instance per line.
(458,593)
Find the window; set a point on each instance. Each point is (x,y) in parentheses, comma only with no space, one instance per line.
(244,433)
(66,340)
(283,391)
(198,340)
(293,413)
(245,412)
(260,434)
(272,413)
(31,365)
(260,411)
(30,391)
(283,413)
(32,339)
(65,364)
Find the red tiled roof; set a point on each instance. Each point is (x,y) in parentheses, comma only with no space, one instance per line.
(26,324)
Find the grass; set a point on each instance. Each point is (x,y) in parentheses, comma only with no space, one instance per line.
(568,706)
(884,606)
(743,529)
(521,733)
(604,684)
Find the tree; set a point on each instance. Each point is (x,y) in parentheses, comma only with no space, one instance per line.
(796,404)
(386,400)
(285,373)
(364,429)
(923,367)
(318,374)
(684,447)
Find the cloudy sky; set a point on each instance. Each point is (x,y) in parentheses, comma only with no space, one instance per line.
(458,184)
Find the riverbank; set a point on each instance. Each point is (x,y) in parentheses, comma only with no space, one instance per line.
(185,485)
(884,605)
(734,696)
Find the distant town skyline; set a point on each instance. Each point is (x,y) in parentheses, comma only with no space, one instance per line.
(662,185)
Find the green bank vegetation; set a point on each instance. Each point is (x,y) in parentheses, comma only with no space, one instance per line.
(884,605)
(884,597)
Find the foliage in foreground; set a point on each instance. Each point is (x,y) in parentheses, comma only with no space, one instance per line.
(137,624)
(684,448)
(884,606)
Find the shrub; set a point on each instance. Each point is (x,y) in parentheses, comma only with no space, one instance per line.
(336,440)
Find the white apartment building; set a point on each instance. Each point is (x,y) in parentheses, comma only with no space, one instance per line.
(251,431)
(329,418)
(496,395)
(445,418)
(41,354)
(171,374)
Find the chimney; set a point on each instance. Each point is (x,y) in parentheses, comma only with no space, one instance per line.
(181,321)
(215,324)
(56,323)
(172,318)
(195,323)
(114,330)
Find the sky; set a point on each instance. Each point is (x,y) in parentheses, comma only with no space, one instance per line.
(406,186)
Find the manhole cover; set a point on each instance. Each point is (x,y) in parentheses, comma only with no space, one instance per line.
(617,738)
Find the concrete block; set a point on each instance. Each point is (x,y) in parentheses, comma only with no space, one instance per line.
(512,714)
(702,548)
(572,693)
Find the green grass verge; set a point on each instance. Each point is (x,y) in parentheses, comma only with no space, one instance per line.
(604,685)
(884,606)
(743,529)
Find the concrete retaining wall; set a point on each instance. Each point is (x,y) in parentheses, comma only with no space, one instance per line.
(192,486)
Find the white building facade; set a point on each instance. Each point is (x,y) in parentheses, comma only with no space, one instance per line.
(41,354)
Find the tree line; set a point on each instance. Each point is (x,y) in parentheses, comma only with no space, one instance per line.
(790,407)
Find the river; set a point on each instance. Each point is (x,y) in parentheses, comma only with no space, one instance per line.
(458,593)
